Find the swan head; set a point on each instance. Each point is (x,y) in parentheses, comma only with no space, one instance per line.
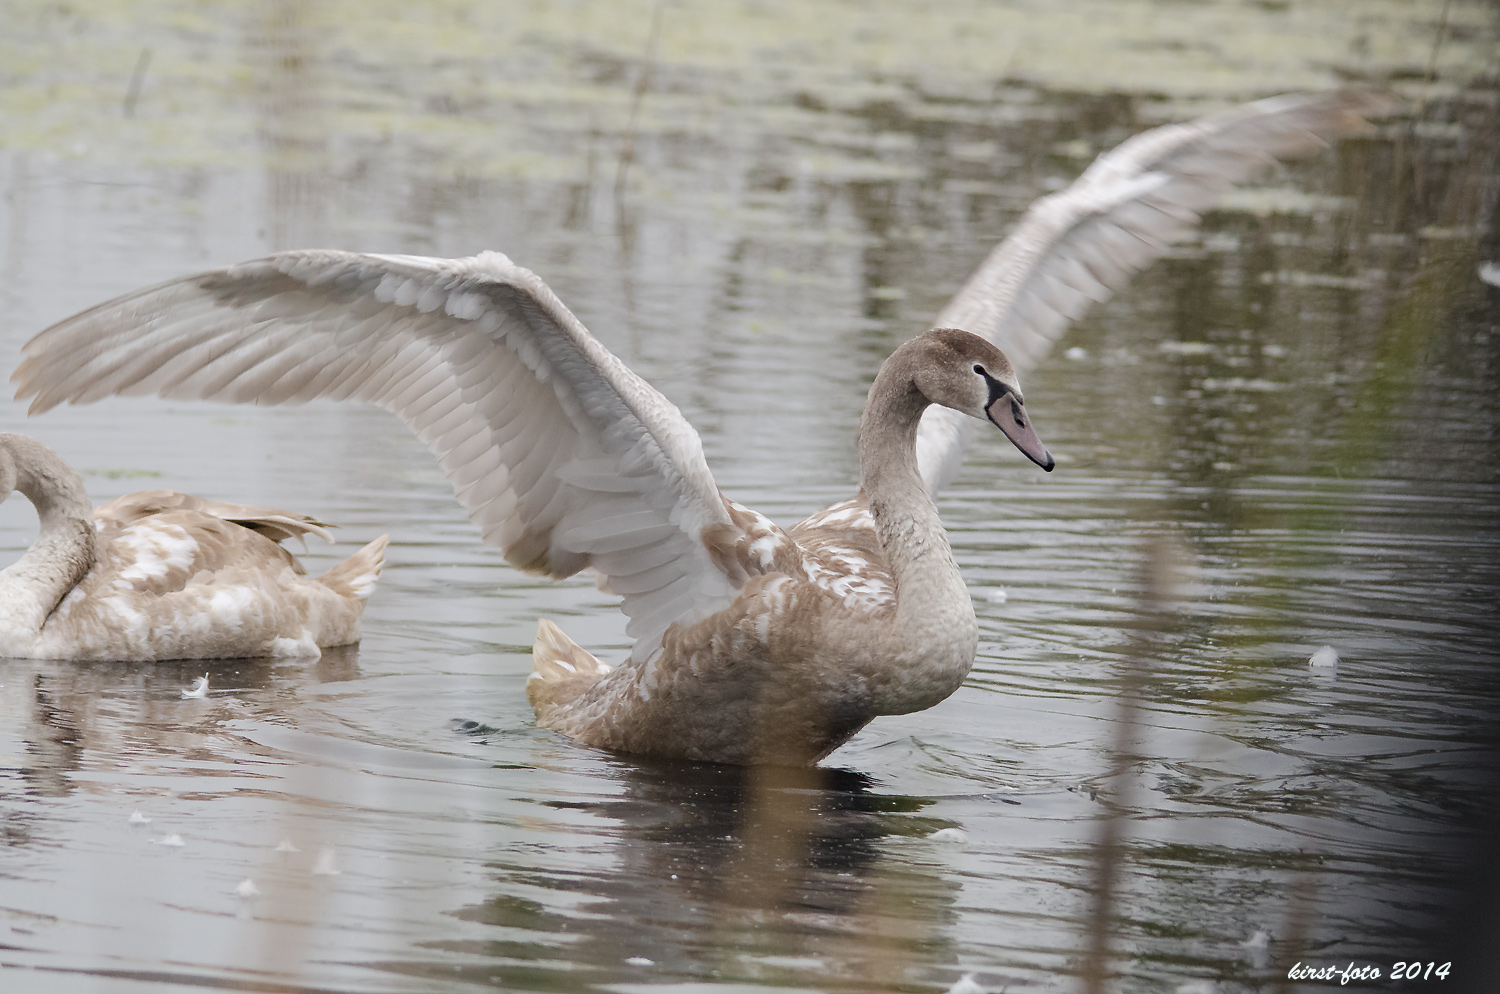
(960,370)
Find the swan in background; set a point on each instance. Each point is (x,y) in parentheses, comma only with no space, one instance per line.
(752,643)
(162,575)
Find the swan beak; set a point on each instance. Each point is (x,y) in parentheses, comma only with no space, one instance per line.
(1007,414)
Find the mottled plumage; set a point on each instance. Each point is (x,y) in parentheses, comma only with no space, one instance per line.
(163,575)
(751,643)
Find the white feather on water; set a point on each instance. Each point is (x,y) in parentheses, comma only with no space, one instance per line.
(1325,658)
(326,864)
(1197,987)
(967,985)
(1258,949)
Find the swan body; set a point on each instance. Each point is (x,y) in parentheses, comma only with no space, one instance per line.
(816,641)
(752,643)
(162,575)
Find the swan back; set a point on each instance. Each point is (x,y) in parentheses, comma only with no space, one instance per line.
(274,524)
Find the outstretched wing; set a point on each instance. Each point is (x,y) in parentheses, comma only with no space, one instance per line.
(1077,247)
(563,457)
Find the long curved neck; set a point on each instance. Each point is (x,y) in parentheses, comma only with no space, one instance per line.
(935,628)
(66,548)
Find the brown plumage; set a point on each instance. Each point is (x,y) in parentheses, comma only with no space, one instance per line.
(856,612)
(163,575)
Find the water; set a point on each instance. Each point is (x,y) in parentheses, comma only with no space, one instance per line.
(1294,416)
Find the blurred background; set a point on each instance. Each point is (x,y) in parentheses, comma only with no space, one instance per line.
(1143,786)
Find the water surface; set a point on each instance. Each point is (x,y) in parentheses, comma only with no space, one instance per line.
(1294,416)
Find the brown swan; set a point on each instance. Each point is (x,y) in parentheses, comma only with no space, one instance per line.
(162,575)
(753,643)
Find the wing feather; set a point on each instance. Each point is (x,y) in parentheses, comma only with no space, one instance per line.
(1078,246)
(560,454)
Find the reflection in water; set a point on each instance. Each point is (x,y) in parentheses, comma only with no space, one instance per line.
(294,124)
(1303,396)
(740,876)
(691,870)
(64,715)
(53,745)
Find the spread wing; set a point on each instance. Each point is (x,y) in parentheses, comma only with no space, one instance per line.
(1075,248)
(564,458)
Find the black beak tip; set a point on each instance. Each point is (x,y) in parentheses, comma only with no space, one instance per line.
(1049,465)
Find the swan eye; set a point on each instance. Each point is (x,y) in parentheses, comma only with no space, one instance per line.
(979,369)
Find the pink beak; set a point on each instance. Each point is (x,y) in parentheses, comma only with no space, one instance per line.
(1009,416)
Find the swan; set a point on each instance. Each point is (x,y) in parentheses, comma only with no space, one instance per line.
(752,643)
(162,575)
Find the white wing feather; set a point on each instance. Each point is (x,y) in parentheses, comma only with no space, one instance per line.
(1078,246)
(563,457)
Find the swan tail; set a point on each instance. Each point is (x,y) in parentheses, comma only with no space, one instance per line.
(561,670)
(355,577)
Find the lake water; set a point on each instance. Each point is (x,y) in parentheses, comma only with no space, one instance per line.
(1293,419)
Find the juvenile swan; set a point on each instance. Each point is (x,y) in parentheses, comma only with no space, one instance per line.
(753,643)
(161,575)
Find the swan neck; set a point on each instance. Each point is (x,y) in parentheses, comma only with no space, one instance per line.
(934,626)
(905,517)
(66,545)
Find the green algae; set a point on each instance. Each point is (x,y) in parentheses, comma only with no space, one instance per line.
(512,88)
